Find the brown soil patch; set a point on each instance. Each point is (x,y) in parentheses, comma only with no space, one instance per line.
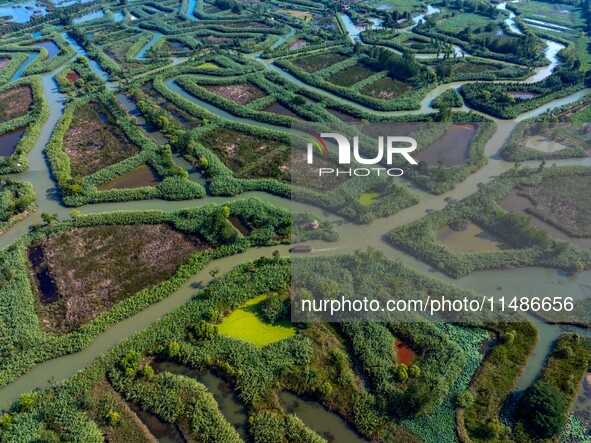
(15,103)
(73,76)
(241,93)
(94,142)
(82,272)
(4,63)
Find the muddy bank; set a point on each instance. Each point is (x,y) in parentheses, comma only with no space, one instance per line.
(519,204)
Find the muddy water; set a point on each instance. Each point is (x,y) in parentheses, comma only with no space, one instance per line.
(543,144)
(164,432)
(9,142)
(47,290)
(404,353)
(143,176)
(234,411)
(237,223)
(472,239)
(518,204)
(451,149)
(325,423)
(278,108)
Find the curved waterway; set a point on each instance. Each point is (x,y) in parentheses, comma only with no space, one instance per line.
(527,281)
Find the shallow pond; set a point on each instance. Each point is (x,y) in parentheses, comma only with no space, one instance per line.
(51,47)
(451,148)
(90,16)
(9,142)
(47,290)
(143,176)
(404,353)
(278,108)
(519,204)
(325,423)
(162,431)
(543,144)
(471,239)
(237,223)
(229,405)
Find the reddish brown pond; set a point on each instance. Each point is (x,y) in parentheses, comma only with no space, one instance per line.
(143,176)
(404,353)
(161,430)
(9,142)
(519,204)
(73,76)
(451,148)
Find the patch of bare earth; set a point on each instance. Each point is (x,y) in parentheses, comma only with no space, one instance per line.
(82,272)
(240,93)
(15,103)
(94,142)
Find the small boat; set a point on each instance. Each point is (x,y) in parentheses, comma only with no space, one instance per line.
(301,249)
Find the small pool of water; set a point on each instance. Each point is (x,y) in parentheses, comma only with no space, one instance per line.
(471,239)
(234,411)
(9,142)
(451,148)
(325,423)
(162,431)
(90,16)
(138,178)
(51,47)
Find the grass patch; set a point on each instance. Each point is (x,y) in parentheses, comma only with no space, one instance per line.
(246,323)
(461,21)
(369,198)
(317,62)
(350,76)
(208,65)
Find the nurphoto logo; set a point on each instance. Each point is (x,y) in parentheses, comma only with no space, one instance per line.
(387,147)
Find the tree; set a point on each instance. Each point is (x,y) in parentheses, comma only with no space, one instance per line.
(273,308)
(148,372)
(112,417)
(173,349)
(546,410)
(464,399)
(204,331)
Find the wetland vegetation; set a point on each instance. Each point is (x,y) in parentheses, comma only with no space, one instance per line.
(163,307)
